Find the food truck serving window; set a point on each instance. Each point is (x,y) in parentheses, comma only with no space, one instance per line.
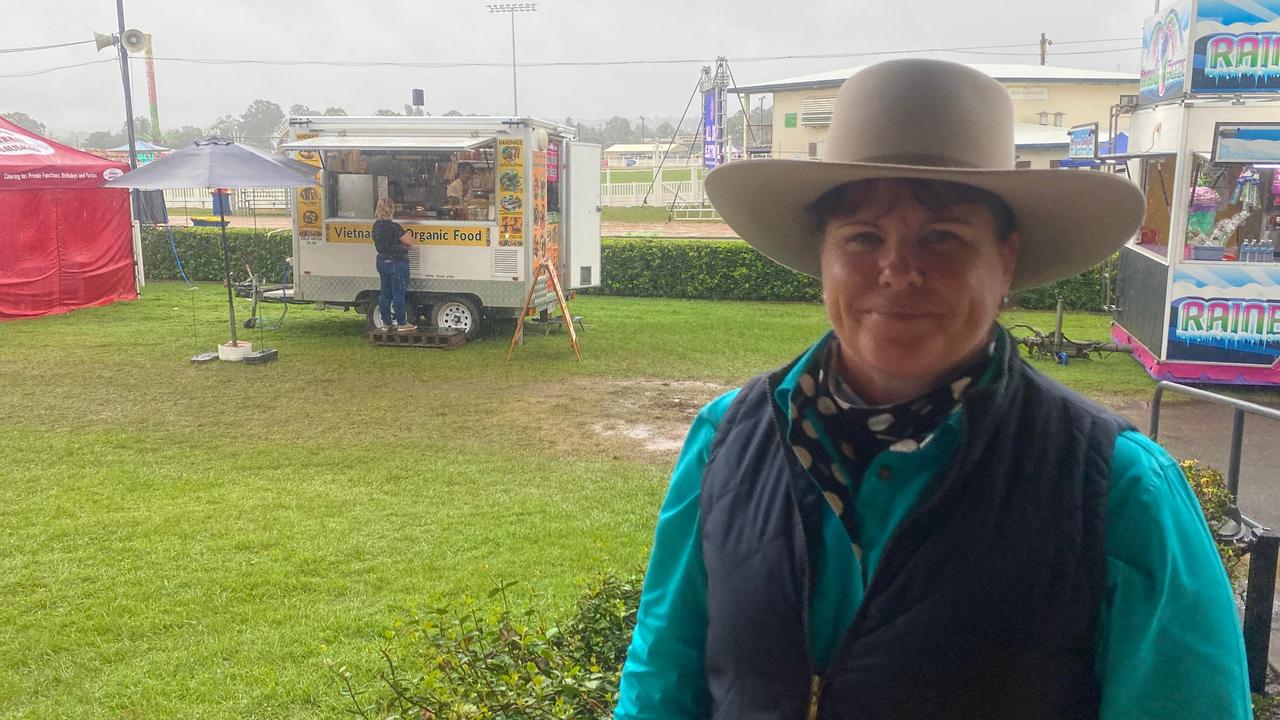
(1234,212)
(434,184)
(1157,179)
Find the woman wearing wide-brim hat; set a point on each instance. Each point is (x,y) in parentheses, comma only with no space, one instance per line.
(907,520)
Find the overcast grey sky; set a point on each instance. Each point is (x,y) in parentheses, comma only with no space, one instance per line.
(90,98)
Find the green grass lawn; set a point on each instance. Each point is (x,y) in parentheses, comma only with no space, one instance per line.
(646,175)
(1113,380)
(645,214)
(182,540)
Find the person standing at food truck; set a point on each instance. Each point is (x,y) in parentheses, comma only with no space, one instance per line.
(392,242)
(457,191)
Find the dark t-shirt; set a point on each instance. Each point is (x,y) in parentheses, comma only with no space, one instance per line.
(386,238)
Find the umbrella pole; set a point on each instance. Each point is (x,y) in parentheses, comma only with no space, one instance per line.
(226,267)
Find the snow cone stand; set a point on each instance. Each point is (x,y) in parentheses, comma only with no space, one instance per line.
(1198,290)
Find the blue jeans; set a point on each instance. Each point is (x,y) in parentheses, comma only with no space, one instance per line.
(395,279)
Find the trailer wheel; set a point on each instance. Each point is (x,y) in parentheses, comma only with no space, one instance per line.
(457,312)
(373,318)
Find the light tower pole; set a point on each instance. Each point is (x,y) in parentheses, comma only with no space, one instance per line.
(512,9)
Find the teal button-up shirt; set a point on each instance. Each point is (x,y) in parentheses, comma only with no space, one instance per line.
(1169,643)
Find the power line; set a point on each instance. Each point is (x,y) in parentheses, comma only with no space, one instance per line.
(45,47)
(1099,52)
(33,73)
(780,57)
(1052,55)
(961,51)
(1085,42)
(969,50)
(977,50)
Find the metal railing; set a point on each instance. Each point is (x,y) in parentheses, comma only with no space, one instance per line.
(242,199)
(662,193)
(674,160)
(1259,542)
(694,211)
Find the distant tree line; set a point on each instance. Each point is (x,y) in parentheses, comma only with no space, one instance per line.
(623,130)
(262,123)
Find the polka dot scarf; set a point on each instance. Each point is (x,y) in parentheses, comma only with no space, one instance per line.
(823,406)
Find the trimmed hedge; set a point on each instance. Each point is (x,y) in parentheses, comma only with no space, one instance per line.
(201,252)
(732,270)
(1086,291)
(698,269)
(635,267)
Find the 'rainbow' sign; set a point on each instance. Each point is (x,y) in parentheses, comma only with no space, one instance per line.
(1240,320)
(1237,47)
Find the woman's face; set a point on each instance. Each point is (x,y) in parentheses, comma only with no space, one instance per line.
(911,292)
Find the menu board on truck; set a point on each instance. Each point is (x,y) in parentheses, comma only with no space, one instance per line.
(511,187)
(309,201)
(540,247)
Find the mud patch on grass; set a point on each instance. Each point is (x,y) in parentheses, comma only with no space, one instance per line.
(649,417)
(650,438)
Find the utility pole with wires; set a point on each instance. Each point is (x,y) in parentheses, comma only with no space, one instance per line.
(122,42)
(1045,42)
(128,91)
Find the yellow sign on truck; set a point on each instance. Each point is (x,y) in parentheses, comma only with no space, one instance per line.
(470,236)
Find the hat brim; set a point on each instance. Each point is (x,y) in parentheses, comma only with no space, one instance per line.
(1068,220)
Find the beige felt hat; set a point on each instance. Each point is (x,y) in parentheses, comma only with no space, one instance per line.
(933,120)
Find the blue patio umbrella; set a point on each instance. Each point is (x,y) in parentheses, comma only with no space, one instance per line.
(218,162)
(141,146)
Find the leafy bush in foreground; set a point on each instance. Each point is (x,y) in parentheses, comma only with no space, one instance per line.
(452,662)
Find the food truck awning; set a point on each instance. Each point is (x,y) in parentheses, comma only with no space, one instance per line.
(384,142)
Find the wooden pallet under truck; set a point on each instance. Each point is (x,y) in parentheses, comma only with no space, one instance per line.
(439,338)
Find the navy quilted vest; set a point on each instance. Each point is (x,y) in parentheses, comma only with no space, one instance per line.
(986,599)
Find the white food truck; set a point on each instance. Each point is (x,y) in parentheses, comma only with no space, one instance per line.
(486,199)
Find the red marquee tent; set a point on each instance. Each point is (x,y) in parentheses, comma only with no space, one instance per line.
(66,242)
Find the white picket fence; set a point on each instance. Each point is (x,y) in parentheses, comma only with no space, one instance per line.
(242,200)
(663,193)
(616,194)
